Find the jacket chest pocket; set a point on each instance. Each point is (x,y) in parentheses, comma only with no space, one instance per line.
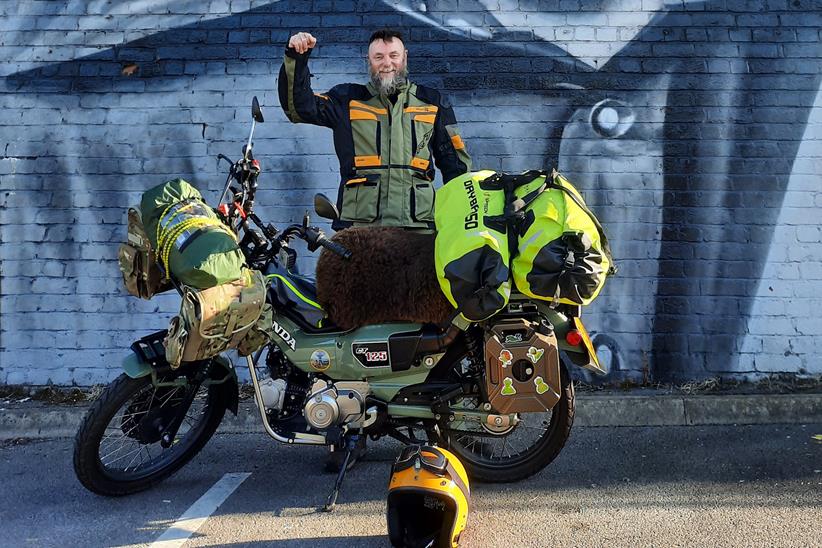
(366,132)
(422,129)
(361,199)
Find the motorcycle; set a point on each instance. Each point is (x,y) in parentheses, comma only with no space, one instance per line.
(417,383)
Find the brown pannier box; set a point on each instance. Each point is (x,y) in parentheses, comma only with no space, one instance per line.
(521,367)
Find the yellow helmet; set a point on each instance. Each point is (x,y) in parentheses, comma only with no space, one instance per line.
(427,498)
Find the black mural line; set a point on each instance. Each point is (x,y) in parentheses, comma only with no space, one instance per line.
(691,160)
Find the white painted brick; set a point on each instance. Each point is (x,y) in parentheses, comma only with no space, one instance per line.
(62,215)
(778,363)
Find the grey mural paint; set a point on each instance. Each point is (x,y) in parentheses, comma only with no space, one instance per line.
(679,121)
(793,257)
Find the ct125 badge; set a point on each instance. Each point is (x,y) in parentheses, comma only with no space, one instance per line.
(320,360)
(372,354)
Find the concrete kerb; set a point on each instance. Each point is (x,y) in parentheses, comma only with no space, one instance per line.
(34,420)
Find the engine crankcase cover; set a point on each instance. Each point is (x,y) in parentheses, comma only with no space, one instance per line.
(340,403)
(521,367)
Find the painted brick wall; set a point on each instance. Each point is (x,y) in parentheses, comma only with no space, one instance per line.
(694,129)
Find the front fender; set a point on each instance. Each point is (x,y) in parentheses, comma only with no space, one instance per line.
(224,378)
(134,367)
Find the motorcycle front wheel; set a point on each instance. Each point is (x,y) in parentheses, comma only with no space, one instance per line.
(514,453)
(117,450)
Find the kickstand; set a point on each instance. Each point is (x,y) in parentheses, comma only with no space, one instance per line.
(351,443)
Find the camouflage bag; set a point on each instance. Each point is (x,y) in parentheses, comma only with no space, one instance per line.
(216,319)
(138,261)
(258,335)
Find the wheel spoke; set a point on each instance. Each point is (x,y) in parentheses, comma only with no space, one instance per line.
(124,439)
(121,457)
(120,445)
(135,457)
(514,443)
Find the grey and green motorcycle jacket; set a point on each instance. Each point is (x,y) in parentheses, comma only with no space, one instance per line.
(385,147)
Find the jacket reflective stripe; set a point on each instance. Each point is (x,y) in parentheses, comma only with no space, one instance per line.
(427,118)
(419,163)
(356,181)
(366,161)
(360,115)
(358,104)
(432,109)
(456,140)
(291,110)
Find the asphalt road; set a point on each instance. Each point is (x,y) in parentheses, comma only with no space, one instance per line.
(653,486)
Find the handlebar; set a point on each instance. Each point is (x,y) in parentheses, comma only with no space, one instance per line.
(315,238)
(334,247)
(262,246)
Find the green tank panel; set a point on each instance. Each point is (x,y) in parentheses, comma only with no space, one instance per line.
(361,354)
(386,387)
(299,346)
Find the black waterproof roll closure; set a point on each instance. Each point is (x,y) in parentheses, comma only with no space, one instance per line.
(562,252)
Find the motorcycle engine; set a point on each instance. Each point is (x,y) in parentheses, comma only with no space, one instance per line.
(289,392)
(285,390)
(338,403)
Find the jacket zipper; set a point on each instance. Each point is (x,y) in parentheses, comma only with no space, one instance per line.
(413,139)
(379,138)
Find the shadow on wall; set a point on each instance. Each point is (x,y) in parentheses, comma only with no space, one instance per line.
(682,137)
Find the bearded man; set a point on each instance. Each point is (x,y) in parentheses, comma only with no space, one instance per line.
(387,134)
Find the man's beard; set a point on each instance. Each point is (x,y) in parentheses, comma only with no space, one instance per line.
(389,86)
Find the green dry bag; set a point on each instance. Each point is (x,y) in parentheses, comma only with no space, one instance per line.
(471,259)
(193,245)
(562,252)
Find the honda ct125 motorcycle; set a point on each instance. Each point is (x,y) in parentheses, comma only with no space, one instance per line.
(496,393)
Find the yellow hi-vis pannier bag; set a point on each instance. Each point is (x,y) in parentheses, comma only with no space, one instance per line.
(562,252)
(471,258)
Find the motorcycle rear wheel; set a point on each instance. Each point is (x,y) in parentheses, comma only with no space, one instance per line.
(113,434)
(496,459)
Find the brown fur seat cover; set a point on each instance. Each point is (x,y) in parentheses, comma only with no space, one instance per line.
(389,277)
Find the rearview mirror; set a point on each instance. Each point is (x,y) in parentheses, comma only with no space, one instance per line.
(256,111)
(324,208)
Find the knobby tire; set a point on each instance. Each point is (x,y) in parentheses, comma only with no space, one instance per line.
(87,461)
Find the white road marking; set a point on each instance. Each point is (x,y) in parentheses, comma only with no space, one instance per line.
(199,512)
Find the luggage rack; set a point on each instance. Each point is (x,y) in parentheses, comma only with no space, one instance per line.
(150,350)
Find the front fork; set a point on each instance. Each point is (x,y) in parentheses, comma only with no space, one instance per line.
(170,431)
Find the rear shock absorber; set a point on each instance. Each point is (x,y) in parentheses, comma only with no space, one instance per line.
(477,365)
